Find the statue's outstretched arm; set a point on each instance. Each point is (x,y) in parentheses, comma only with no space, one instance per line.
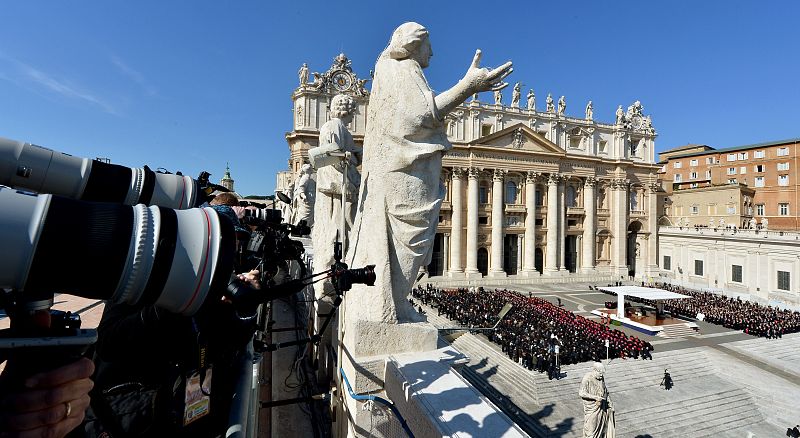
(476,80)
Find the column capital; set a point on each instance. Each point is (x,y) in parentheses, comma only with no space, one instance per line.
(457,172)
(555,179)
(499,175)
(446,234)
(532,177)
(654,187)
(473,172)
(590,181)
(620,184)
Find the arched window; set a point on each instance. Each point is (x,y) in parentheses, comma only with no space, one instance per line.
(511,192)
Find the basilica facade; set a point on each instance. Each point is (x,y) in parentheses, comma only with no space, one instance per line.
(530,193)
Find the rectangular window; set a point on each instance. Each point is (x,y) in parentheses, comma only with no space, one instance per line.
(742,155)
(708,174)
(731,209)
(483,220)
(602,146)
(783,209)
(693,163)
(760,209)
(731,171)
(483,197)
(694,185)
(486,130)
(736,273)
(783,280)
(695,209)
(667,262)
(758,154)
(782,152)
(758,167)
(742,170)
(783,166)
(759,181)
(731,157)
(693,175)
(538,198)
(783,180)
(678,177)
(732,181)
(709,160)
(698,267)
(677,165)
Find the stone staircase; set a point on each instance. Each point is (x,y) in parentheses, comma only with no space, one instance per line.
(700,404)
(783,353)
(710,414)
(678,331)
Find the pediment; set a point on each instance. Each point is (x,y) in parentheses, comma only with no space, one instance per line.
(519,137)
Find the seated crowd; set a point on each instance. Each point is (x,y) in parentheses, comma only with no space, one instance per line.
(733,313)
(535,331)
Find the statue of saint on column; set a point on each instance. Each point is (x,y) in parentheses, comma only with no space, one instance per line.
(401,191)
(599,419)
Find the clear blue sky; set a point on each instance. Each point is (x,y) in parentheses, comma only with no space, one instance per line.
(189,85)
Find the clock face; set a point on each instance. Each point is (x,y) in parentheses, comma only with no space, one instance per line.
(341,80)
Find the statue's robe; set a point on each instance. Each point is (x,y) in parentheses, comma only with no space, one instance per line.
(401,191)
(599,419)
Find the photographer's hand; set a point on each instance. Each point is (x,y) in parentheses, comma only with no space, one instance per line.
(51,404)
(251,278)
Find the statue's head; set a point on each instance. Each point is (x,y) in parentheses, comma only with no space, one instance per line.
(342,106)
(599,370)
(306,168)
(410,40)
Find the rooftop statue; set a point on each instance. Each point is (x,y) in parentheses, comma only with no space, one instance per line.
(516,94)
(531,100)
(401,191)
(562,105)
(328,202)
(549,104)
(303,74)
(589,110)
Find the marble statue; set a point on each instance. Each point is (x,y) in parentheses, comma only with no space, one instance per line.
(721,223)
(599,420)
(498,97)
(303,199)
(711,222)
(764,223)
(549,104)
(752,223)
(562,105)
(516,94)
(589,110)
(328,201)
(401,192)
(286,208)
(620,116)
(303,74)
(531,101)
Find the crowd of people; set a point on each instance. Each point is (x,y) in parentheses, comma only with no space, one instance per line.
(538,334)
(733,313)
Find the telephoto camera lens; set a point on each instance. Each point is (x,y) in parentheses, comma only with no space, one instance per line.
(31,167)
(129,254)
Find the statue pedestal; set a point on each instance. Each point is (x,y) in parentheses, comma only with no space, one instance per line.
(367,344)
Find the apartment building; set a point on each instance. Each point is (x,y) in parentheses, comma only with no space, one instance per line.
(769,169)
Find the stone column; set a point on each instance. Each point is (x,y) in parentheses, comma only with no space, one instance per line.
(551,258)
(496,269)
(446,252)
(589,226)
(519,253)
(652,228)
(562,224)
(472,224)
(456,223)
(619,226)
(529,255)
